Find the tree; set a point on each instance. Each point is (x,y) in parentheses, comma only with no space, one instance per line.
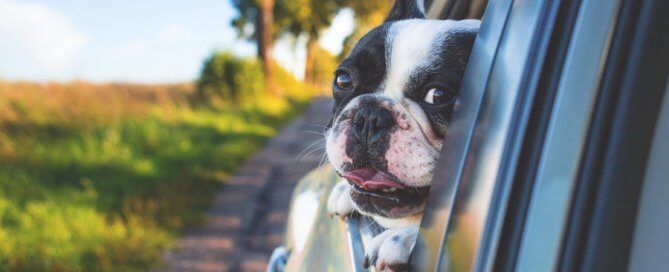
(309,17)
(297,17)
(368,14)
(294,17)
(259,15)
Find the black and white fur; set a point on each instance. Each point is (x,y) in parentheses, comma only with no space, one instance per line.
(385,121)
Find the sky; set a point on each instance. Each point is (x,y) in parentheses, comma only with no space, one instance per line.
(148,41)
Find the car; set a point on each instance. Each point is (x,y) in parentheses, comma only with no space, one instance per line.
(557,154)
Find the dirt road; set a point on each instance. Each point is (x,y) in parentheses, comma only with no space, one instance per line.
(247,219)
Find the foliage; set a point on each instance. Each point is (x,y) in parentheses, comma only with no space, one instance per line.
(323,69)
(293,17)
(368,14)
(230,78)
(104,177)
(310,17)
(304,16)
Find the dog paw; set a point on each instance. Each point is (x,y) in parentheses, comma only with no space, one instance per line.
(390,250)
(339,201)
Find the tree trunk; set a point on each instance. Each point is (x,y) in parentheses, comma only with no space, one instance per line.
(265,45)
(309,73)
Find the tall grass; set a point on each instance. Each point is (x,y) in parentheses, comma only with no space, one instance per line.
(103,177)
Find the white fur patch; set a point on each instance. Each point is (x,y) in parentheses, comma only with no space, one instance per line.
(335,146)
(410,46)
(339,202)
(407,221)
(413,150)
(392,246)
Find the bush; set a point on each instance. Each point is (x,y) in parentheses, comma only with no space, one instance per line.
(230,78)
(231,81)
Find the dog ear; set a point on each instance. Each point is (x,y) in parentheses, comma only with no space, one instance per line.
(407,9)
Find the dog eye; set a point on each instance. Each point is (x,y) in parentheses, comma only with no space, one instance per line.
(344,81)
(437,96)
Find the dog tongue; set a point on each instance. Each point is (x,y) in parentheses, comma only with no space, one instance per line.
(370,179)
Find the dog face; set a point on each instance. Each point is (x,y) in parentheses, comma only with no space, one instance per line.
(394,95)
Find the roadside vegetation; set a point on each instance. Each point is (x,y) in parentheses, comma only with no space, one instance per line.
(103,177)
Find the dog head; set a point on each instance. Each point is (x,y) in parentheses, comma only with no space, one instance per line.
(394,95)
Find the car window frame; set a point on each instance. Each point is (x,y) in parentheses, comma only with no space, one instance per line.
(567,131)
(485,136)
(427,254)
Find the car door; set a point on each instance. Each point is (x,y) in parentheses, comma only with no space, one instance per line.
(545,159)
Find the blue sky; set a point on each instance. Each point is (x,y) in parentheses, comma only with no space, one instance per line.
(131,41)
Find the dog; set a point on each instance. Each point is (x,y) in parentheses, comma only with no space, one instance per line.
(394,94)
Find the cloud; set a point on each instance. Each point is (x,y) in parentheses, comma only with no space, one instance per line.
(38,35)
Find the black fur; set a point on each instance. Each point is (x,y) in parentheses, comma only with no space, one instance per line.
(405,9)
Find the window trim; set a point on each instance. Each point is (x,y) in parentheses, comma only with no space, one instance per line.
(484,139)
(601,229)
(567,130)
(540,109)
(427,254)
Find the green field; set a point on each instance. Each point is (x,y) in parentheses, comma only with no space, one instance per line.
(104,177)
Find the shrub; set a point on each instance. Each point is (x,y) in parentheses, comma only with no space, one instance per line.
(228,78)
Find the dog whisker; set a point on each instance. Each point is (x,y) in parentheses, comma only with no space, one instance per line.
(378,228)
(418,192)
(313,132)
(311,145)
(321,162)
(315,125)
(369,225)
(312,151)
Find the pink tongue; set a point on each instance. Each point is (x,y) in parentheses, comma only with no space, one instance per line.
(370,179)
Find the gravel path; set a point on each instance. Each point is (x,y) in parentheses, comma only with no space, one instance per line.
(247,219)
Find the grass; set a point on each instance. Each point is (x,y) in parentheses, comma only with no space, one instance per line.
(104,177)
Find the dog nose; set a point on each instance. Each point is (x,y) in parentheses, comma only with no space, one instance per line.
(371,122)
